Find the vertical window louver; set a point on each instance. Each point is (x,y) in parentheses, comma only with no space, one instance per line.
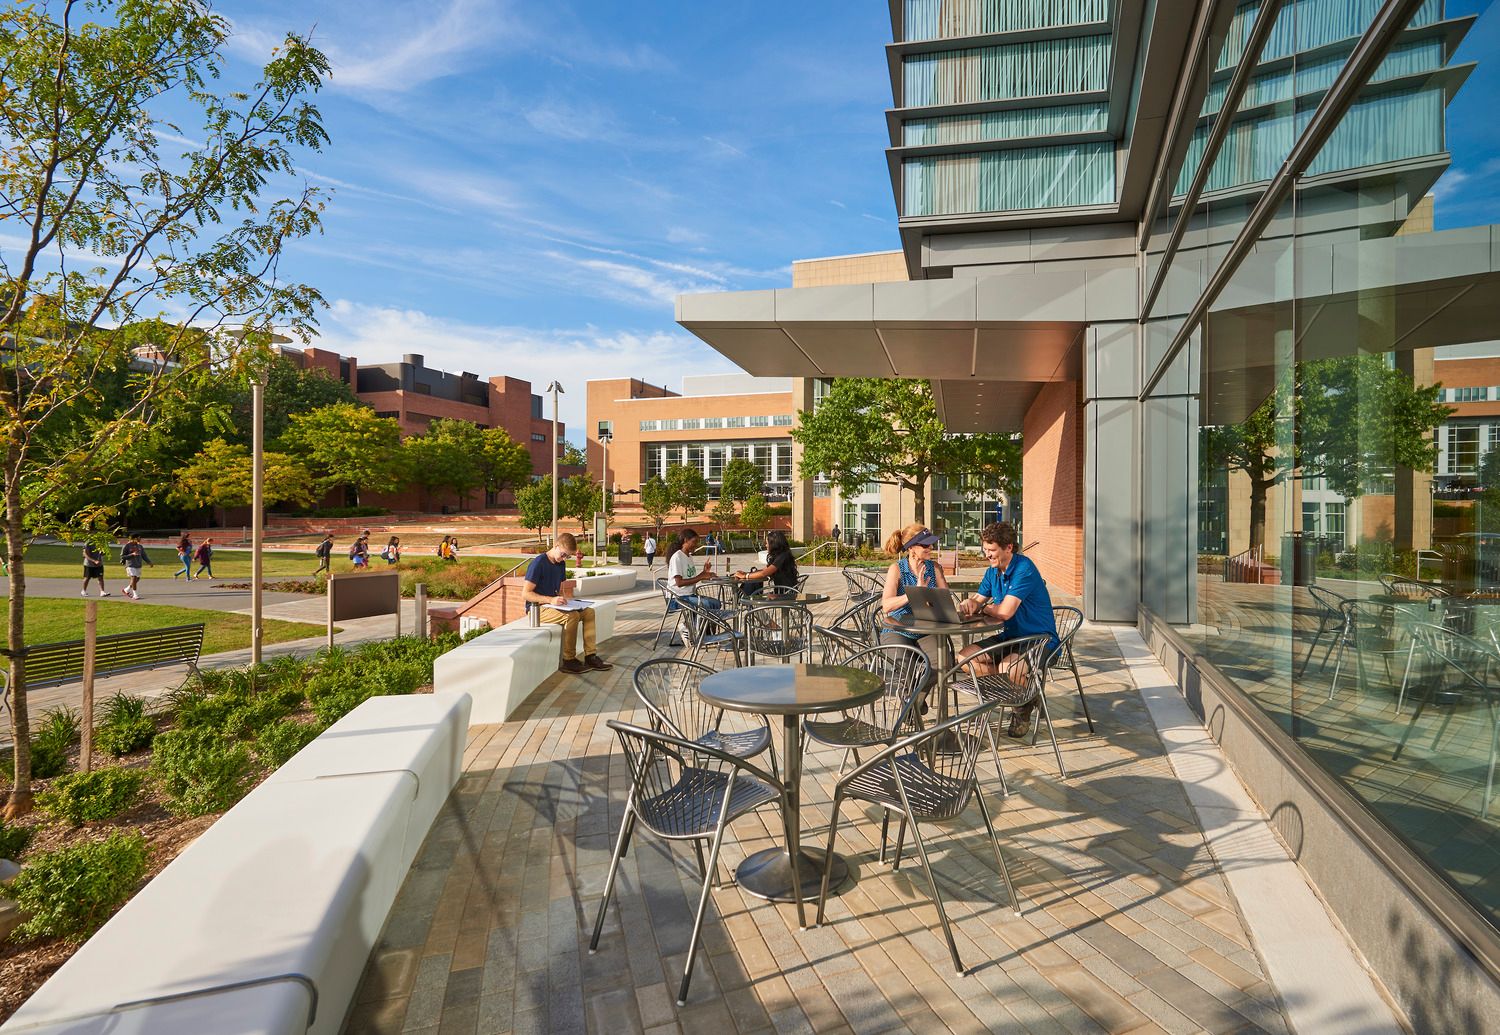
(1007,125)
(1309,24)
(945,19)
(1003,181)
(1036,68)
(1315,75)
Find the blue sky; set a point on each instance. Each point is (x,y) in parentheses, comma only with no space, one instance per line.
(523,187)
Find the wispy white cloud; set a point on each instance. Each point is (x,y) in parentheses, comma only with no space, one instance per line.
(380,334)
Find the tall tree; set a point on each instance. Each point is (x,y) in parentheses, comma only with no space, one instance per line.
(723,514)
(446,457)
(741,477)
(688,487)
(755,515)
(886,430)
(656,500)
(503,462)
(534,505)
(1346,419)
(220,475)
(579,497)
(348,445)
(289,389)
(103,229)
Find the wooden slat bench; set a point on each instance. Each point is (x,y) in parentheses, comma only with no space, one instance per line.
(55,664)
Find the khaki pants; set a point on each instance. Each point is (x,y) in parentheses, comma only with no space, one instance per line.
(570,621)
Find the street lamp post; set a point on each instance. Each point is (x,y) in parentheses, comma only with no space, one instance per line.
(556,390)
(604,437)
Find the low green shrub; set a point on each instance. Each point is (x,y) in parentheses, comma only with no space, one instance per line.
(13,840)
(51,741)
(200,770)
(282,739)
(80,798)
(124,727)
(340,512)
(69,892)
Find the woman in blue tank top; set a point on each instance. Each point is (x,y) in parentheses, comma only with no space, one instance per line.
(914,566)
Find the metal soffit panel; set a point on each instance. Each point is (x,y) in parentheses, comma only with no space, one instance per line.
(972,406)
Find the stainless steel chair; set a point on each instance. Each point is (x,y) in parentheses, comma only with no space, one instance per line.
(1329,617)
(710,628)
(861,582)
(1014,683)
(837,645)
(904,671)
(682,791)
(668,687)
(670,609)
(779,631)
(926,777)
(1068,621)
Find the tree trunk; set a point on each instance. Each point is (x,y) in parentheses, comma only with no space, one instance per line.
(919,500)
(19,802)
(1259,487)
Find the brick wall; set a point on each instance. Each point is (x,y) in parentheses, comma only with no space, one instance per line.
(1052,485)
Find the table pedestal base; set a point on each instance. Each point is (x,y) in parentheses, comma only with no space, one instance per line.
(768,874)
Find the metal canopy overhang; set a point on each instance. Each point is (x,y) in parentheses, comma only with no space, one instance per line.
(986,344)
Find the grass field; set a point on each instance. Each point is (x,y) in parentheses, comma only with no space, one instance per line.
(50,620)
(66,562)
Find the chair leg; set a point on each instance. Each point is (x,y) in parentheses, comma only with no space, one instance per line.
(989,731)
(1405,676)
(1062,770)
(1010,888)
(937,896)
(698,851)
(1411,725)
(1312,648)
(609,882)
(885,827)
(833,829)
(900,841)
(1082,699)
(713,865)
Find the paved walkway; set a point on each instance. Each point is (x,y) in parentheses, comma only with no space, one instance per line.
(1129,924)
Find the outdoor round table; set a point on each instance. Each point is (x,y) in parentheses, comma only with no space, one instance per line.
(805,599)
(946,632)
(790,691)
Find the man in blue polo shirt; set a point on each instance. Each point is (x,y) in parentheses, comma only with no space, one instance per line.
(1013,590)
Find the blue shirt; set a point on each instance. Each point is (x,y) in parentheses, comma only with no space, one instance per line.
(1020,579)
(546,575)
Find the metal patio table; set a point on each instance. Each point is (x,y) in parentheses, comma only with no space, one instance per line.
(791,691)
(946,632)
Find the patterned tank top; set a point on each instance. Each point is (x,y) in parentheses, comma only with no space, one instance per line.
(909,578)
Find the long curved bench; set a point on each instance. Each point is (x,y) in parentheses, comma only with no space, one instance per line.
(265,922)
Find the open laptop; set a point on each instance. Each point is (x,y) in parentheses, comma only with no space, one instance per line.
(936,605)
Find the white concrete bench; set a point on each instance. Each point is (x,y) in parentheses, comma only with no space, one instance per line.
(500,669)
(265,922)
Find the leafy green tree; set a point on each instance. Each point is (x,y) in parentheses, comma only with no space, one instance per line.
(446,458)
(723,513)
(741,477)
(534,505)
(755,514)
(221,475)
(503,462)
(579,497)
(103,229)
(347,445)
(688,487)
(869,429)
(656,500)
(289,389)
(1346,419)
(572,456)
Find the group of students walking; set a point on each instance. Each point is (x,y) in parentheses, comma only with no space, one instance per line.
(359,552)
(134,558)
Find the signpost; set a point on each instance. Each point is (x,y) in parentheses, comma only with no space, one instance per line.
(360,594)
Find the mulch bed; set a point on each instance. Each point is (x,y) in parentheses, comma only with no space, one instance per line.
(25,965)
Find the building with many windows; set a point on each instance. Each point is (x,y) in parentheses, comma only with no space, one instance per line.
(1186,250)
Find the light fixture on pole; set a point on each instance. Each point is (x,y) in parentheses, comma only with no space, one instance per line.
(257,486)
(556,390)
(604,438)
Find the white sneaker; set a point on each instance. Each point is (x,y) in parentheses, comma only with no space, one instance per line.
(104,592)
(83,592)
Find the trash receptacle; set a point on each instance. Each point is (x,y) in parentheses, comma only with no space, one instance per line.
(627,555)
(1299,559)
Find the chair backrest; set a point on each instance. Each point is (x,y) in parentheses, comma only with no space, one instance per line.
(904,671)
(837,644)
(862,582)
(1326,599)
(668,687)
(1404,587)
(778,630)
(802,583)
(1031,667)
(939,781)
(1466,655)
(1068,621)
(678,787)
(855,620)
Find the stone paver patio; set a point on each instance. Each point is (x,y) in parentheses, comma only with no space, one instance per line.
(1127,923)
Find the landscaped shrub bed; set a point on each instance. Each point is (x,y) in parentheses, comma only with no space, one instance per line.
(96,838)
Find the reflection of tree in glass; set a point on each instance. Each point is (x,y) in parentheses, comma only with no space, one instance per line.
(1346,419)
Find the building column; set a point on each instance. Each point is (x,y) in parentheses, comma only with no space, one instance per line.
(802,488)
(1052,484)
(1111,473)
(1413,521)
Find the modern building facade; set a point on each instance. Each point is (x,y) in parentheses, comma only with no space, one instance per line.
(1187,249)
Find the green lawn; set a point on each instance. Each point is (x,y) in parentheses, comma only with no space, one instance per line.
(49,561)
(49,620)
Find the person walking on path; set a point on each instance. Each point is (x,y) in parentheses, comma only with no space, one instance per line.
(359,553)
(325,555)
(185,555)
(453,549)
(442,548)
(205,558)
(93,568)
(549,589)
(133,555)
(650,548)
(392,551)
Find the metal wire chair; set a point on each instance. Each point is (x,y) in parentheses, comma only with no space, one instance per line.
(904,671)
(1329,616)
(854,620)
(780,631)
(670,607)
(668,687)
(707,627)
(837,645)
(1068,621)
(926,777)
(681,791)
(1402,586)
(861,582)
(1015,682)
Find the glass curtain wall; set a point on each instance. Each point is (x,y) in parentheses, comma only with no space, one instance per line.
(1336,572)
